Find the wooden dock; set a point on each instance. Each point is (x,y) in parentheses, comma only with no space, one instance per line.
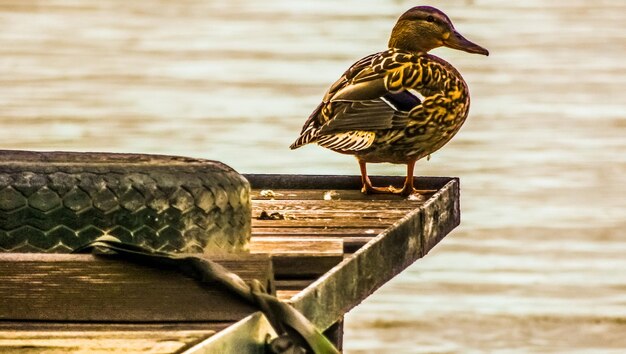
(317,242)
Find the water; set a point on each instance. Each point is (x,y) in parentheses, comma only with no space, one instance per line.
(538,264)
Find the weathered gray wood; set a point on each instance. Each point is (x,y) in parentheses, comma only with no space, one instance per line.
(381,213)
(64,287)
(47,326)
(329,196)
(356,218)
(351,242)
(101,341)
(246,336)
(331,296)
(335,223)
(299,256)
(307,231)
(332,182)
(285,295)
(314,205)
(304,266)
(292,284)
(294,246)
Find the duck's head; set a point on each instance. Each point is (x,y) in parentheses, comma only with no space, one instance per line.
(423,28)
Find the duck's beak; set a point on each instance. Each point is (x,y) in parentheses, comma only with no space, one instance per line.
(456,41)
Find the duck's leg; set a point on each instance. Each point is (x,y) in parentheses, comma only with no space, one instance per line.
(367,184)
(405,191)
(408,188)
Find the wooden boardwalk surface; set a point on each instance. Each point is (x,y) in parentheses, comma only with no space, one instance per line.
(331,248)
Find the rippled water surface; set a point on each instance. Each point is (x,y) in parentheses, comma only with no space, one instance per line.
(539,262)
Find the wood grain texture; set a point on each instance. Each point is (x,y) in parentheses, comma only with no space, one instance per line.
(326,232)
(300,257)
(246,336)
(386,234)
(102,341)
(61,287)
(332,295)
(350,184)
(294,246)
(47,326)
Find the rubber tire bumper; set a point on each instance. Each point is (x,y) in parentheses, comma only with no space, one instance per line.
(58,201)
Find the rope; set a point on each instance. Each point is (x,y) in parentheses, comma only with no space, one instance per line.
(297,335)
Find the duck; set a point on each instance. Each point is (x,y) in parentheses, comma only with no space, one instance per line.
(398,105)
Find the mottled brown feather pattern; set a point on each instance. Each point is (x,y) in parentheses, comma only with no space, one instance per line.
(423,130)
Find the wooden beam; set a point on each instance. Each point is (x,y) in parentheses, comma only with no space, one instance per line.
(99,341)
(296,245)
(46,326)
(300,257)
(66,287)
(345,286)
(246,336)
(276,181)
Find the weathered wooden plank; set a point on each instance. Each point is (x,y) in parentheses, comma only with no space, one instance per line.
(102,341)
(292,284)
(246,336)
(386,215)
(300,256)
(308,231)
(303,266)
(302,214)
(334,214)
(328,195)
(285,295)
(336,205)
(296,246)
(351,242)
(331,296)
(64,287)
(47,326)
(335,223)
(334,182)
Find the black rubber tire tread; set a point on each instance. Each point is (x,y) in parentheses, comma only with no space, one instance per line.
(57,201)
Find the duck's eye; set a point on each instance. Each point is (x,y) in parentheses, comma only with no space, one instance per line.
(430,18)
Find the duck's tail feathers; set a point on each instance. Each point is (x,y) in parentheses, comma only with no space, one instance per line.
(309,130)
(309,135)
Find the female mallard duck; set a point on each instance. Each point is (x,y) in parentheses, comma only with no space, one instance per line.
(399,105)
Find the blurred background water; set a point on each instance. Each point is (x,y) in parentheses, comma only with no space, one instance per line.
(539,261)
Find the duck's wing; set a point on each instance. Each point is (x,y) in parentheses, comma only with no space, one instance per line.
(391,110)
(347,76)
(374,88)
(322,114)
(354,124)
(359,104)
